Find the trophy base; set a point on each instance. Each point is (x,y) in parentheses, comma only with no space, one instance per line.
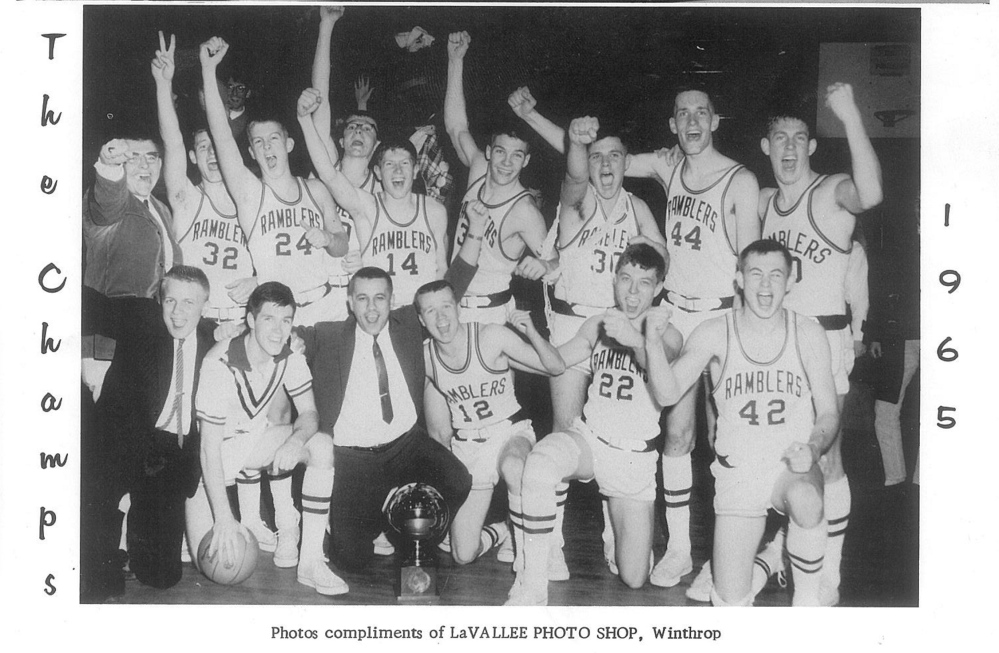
(417,585)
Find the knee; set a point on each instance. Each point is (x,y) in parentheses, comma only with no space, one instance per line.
(804,502)
(512,471)
(540,471)
(634,579)
(321,451)
(464,553)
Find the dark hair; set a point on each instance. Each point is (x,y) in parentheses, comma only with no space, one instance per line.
(394,144)
(342,123)
(513,130)
(143,136)
(434,286)
(765,246)
(369,272)
(272,291)
(613,131)
(644,256)
(187,274)
(692,88)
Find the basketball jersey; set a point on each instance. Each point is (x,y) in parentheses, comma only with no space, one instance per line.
(619,402)
(496,265)
(702,260)
(280,250)
(820,267)
(477,395)
(234,395)
(407,251)
(763,406)
(216,243)
(588,260)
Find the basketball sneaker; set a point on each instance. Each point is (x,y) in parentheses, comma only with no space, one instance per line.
(700,589)
(445,544)
(557,569)
(382,545)
(286,552)
(521,594)
(828,595)
(671,569)
(319,576)
(505,551)
(267,539)
(768,562)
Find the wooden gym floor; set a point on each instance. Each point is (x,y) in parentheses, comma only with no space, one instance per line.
(880,558)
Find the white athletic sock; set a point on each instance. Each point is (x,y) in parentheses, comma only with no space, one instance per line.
(539,523)
(805,548)
(317,486)
(248,492)
(608,533)
(517,523)
(561,496)
(285,513)
(837,510)
(491,536)
(678,481)
(767,562)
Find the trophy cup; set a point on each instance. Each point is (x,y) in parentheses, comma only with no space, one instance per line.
(418,513)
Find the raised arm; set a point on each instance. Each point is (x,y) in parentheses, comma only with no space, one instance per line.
(344,193)
(323,117)
(332,237)
(653,165)
(705,343)
(181,193)
(465,265)
(582,133)
(536,355)
(242,184)
(662,344)
(863,190)
(523,104)
(455,114)
(107,202)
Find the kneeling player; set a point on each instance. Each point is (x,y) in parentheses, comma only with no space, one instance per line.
(470,365)
(628,347)
(777,415)
(244,381)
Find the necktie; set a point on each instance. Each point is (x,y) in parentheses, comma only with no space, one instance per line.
(383,385)
(178,398)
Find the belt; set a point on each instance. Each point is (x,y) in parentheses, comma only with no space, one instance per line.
(635,446)
(697,304)
(486,301)
(312,296)
(486,432)
(563,307)
(832,322)
(231,314)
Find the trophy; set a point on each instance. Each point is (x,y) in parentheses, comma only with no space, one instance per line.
(418,513)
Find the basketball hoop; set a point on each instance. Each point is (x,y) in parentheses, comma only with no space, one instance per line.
(892,116)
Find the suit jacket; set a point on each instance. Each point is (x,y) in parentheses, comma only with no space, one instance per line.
(135,388)
(329,349)
(125,252)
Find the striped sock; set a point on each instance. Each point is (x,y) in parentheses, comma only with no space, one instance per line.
(285,512)
(561,497)
(517,523)
(248,492)
(316,490)
(837,510)
(538,523)
(805,547)
(678,483)
(491,536)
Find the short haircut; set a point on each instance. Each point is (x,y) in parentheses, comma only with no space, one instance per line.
(765,246)
(513,130)
(143,136)
(254,123)
(342,124)
(786,115)
(613,131)
(369,272)
(274,292)
(692,88)
(187,274)
(644,256)
(434,286)
(394,144)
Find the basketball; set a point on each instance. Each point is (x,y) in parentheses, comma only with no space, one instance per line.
(245,560)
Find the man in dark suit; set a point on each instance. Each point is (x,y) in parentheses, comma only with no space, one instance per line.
(146,442)
(127,236)
(369,378)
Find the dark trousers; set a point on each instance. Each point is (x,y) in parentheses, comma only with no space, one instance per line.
(363,478)
(159,485)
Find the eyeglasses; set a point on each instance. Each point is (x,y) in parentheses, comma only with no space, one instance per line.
(150,158)
(364,127)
